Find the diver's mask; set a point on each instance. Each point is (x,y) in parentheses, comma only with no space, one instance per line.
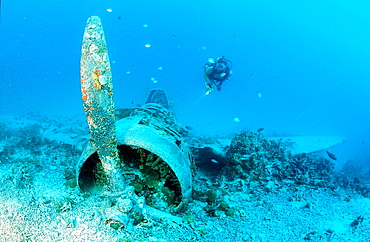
(220,67)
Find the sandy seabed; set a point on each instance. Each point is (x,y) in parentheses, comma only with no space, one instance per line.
(36,205)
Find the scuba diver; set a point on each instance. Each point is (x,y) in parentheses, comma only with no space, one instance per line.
(216,72)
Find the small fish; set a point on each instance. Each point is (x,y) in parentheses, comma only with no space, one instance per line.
(260,129)
(331,155)
(214,161)
(119,17)
(154,80)
(188,127)
(236,120)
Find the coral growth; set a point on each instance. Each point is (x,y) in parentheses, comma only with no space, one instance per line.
(255,158)
(270,165)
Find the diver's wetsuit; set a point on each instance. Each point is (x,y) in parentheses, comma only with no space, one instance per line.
(217,73)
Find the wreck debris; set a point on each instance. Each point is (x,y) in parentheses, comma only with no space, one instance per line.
(158,158)
(127,211)
(142,154)
(97,96)
(153,128)
(153,157)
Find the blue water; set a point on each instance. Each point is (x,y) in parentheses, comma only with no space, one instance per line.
(299,68)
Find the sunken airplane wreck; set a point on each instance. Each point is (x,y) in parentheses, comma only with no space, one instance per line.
(141,160)
(140,154)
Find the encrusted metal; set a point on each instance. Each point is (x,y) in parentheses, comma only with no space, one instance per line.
(97,96)
(151,132)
